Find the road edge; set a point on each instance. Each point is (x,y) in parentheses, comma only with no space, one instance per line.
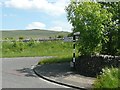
(57,82)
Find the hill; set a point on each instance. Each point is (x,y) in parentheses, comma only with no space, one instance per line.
(34,33)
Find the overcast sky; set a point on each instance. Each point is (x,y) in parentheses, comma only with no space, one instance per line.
(34,14)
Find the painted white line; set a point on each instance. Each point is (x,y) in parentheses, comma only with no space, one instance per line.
(53,83)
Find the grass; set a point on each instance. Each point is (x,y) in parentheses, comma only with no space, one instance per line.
(108,79)
(61,51)
(0,44)
(55,60)
(35,34)
(32,49)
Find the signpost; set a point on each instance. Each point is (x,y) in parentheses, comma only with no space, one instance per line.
(72,63)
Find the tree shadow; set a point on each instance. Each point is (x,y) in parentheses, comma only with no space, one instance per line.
(28,72)
(55,70)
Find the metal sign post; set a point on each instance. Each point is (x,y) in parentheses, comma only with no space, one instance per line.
(72,63)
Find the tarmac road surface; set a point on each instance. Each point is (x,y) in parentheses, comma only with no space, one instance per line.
(18,73)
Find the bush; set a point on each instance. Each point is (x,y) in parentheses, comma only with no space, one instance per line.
(108,79)
(21,38)
(18,46)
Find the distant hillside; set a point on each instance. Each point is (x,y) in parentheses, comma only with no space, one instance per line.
(35,33)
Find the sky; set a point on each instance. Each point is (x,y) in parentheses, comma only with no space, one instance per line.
(34,14)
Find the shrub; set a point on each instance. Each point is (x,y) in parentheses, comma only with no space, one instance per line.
(17,46)
(60,36)
(108,79)
(21,38)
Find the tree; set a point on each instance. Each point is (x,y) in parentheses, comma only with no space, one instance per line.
(111,41)
(89,19)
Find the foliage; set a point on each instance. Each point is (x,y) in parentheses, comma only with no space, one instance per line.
(70,35)
(21,38)
(33,48)
(98,24)
(0,49)
(89,24)
(60,36)
(108,79)
(111,42)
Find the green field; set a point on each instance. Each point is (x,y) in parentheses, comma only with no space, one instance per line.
(35,34)
(32,48)
(62,51)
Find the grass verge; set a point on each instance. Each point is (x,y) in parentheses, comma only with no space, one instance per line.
(108,79)
(55,60)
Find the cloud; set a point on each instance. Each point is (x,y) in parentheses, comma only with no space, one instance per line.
(7,29)
(1,4)
(36,25)
(61,26)
(9,15)
(21,4)
(56,8)
(56,28)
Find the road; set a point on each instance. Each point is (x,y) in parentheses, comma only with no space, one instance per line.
(17,73)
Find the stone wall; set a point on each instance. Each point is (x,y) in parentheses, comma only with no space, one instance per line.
(92,65)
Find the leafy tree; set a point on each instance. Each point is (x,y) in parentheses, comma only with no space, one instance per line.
(111,41)
(89,19)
